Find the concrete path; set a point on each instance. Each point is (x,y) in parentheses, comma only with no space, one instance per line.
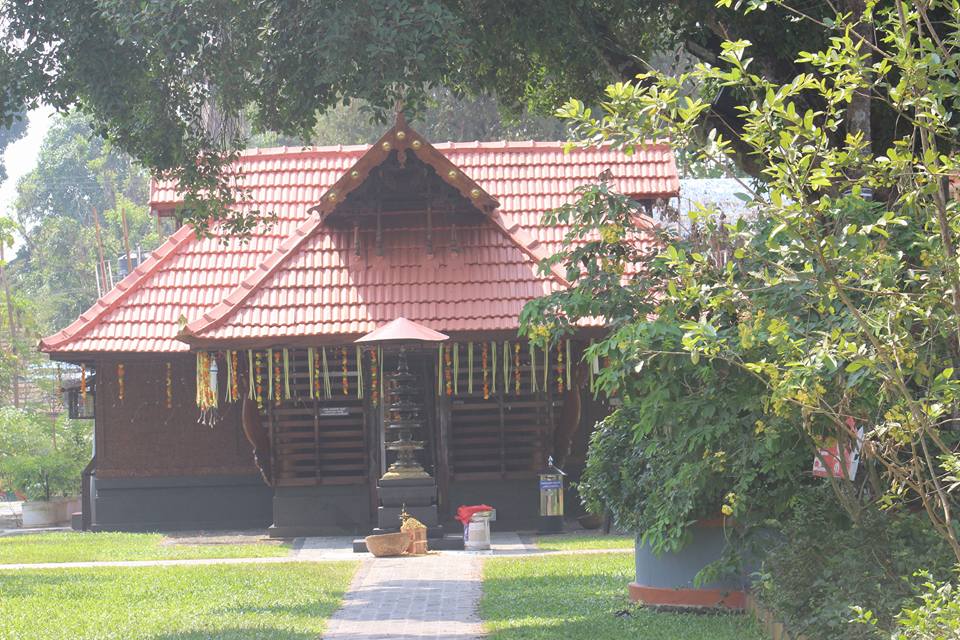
(434,596)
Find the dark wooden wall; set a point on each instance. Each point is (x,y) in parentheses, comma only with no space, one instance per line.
(141,437)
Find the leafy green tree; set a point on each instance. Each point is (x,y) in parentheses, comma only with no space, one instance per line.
(843,301)
(77,173)
(166,81)
(42,456)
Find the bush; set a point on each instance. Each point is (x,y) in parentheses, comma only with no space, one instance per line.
(41,456)
(825,567)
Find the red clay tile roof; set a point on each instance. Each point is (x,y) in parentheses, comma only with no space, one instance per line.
(329,293)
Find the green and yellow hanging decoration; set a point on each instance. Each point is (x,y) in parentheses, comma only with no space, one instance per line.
(286,374)
(206,383)
(560,367)
(327,386)
(516,368)
(470,368)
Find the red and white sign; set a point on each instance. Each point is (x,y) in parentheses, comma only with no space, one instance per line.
(830,463)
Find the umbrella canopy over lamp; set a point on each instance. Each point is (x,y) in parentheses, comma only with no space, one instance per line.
(403,330)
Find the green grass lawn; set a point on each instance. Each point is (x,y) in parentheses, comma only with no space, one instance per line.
(84,547)
(223,602)
(578,541)
(549,597)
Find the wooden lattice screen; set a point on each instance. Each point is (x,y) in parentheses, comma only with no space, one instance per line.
(319,441)
(506,435)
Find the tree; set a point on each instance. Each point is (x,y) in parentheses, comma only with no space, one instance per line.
(77,174)
(166,81)
(843,301)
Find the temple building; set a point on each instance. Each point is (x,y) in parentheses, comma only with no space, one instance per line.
(225,377)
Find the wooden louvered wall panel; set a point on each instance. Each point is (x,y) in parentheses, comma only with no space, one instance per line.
(504,436)
(319,441)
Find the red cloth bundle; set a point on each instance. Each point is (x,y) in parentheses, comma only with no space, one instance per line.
(465,513)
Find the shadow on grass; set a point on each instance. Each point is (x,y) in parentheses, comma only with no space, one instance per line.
(544,598)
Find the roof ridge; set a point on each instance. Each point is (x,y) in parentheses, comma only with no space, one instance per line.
(109,301)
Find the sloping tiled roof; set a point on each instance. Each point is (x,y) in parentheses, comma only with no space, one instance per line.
(187,278)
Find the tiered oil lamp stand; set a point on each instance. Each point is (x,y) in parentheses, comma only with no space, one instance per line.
(405,483)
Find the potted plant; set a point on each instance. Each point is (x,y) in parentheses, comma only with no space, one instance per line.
(43,458)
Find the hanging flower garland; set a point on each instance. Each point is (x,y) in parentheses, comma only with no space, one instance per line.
(516,368)
(560,367)
(121,383)
(233,363)
(374,379)
(269,365)
(277,399)
(206,389)
(486,373)
(259,380)
(169,386)
(83,385)
(343,363)
(568,364)
(448,369)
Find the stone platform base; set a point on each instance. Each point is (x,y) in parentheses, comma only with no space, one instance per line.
(698,598)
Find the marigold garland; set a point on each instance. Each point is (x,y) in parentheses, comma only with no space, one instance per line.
(516,368)
(448,369)
(169,386)
(344,383)
(259,379)
(277,391)
(121,385)
(83,385)
(314,370)
(486,374)
(374,379)
(233,360)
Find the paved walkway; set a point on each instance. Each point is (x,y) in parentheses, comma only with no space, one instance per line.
(434,596)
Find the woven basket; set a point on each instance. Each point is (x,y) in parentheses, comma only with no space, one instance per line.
(418,541)
(388,544)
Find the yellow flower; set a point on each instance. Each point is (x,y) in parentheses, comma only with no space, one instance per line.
(726,510)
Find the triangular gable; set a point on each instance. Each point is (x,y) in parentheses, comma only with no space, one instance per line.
(403,139)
